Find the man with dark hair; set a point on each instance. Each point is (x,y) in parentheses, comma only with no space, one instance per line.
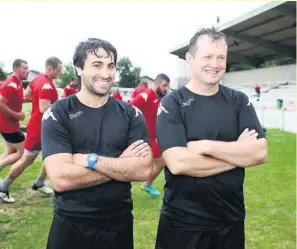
(208,134)
(148,102)
(93,146)
(43,93)
(11,101)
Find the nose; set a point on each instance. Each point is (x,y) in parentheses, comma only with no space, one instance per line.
(104,73)
(214,62)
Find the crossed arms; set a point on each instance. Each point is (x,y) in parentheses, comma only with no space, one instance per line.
(68,171)
(204,157)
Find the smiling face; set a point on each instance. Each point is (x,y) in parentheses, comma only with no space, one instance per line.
(99,72)
(208,64)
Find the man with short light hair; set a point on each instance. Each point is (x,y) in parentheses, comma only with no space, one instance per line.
(208,134)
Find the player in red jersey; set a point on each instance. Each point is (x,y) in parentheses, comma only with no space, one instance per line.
(148,103)
(117,95)
(11,100)
(43,93)
(143,86)
(70,89)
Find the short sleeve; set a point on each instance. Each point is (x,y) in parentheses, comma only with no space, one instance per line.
(9,90)
(137,129)
(170,128)
(54,133)
(248,117)
(46,92)
(140,100)
(66,90)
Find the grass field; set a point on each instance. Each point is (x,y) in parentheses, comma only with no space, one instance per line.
(269,193)
(27,110)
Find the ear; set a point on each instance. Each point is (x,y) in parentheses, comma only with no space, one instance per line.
(79,71)
(189,57)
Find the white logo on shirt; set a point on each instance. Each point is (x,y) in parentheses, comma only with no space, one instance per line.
(144,95)
(155,101)
(161,109)
(48,113)
(137,111)
(46,86)
(249,103)
(75,115)
(13,85)
(188,103)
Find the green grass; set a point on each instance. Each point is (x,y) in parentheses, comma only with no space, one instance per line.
(269,193)
(27,111)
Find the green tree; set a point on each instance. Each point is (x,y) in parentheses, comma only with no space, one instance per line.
(136,75)
(67,75)
(2,72)
(129,75)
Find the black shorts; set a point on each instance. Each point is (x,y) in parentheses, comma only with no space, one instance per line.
(14,138)
(72,233)
(171,235)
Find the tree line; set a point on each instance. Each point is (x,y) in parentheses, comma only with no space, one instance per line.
(127,75)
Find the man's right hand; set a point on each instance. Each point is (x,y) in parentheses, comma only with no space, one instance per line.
(136,149)
(247,135)
(20,116)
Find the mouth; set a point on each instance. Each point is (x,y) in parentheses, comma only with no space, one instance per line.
(102,81)
(213,72)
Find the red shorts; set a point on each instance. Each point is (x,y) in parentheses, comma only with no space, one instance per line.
(155,148)
(32,144)
(33,139)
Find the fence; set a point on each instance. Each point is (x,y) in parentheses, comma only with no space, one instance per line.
(284,119)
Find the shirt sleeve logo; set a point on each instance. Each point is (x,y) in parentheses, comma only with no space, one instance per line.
(144,96)
(13,85)
(48,113)
(46,86)
(249,102)
(161,109)
(137,111)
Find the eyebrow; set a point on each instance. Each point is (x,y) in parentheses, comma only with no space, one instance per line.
(100,62)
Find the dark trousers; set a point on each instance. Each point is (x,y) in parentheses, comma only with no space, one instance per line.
(69,233)
(172,235)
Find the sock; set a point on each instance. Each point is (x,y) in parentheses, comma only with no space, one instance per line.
(4,185)
(39,182)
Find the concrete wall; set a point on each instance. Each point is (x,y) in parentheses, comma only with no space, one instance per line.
(277,118)
(262,76)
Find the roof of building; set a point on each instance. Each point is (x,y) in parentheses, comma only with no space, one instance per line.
(146,77)
(264,34)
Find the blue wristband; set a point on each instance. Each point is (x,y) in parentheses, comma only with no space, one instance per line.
(92,160)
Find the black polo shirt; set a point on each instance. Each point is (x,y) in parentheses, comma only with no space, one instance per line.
(185,116)
(71,127)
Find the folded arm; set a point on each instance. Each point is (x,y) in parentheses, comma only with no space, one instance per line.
(66,176)
(126,169)
(239,153)
(182,161)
